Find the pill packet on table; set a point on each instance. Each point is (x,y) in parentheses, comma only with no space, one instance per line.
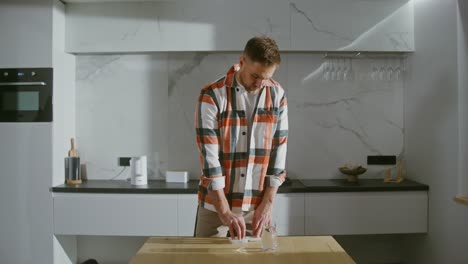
(245,240)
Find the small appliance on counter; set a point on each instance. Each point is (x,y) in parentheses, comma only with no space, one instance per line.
(138,171)
(177,176)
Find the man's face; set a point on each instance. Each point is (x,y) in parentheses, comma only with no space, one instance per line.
(252,73)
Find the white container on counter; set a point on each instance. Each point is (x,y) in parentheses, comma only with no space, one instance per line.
(138,170)
(177,176)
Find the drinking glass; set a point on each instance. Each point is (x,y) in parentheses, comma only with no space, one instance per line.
(269,237)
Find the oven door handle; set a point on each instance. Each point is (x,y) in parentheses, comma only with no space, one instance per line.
(23,84)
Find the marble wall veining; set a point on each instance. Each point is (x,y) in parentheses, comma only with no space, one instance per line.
(213,25)
(144,104)
(351,25)
(122,110)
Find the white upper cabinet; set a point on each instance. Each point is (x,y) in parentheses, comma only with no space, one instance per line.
(213,25)
(26,34)
(371,25)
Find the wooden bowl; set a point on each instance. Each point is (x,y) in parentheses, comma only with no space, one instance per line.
(352,173)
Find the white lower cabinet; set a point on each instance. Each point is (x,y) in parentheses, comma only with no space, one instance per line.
(341,213)
(187,214)
(115,214)
(288,213)
(351,213)
(125,214)
(152,214)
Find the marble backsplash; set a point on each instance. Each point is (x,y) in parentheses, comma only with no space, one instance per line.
(137,104)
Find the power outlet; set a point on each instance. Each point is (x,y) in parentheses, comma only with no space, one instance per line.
(124,161)
(381,160)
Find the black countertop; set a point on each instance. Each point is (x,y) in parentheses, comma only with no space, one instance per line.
(292,186)
(364,185)
(123,186)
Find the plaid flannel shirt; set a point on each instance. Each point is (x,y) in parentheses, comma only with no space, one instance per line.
(221,131)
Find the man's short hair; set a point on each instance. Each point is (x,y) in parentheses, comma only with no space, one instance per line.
(263,50)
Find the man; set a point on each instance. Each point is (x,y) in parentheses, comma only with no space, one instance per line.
(241,126)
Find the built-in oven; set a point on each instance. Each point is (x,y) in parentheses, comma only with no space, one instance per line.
(26,95)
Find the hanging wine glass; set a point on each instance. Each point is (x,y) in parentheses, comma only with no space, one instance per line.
(374,71)
(382,72)
(332,71)
(390,73)
(326,70)
(345,69)
(339,70)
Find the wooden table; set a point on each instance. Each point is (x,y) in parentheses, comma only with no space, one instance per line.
(291,250)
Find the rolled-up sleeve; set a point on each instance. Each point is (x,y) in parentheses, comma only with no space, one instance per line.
(276,172)
(208,138)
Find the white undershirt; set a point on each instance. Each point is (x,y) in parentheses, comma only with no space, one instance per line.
(250,99)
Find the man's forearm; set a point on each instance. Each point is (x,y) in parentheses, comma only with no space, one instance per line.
(262,215)
(219,201)
(269,194)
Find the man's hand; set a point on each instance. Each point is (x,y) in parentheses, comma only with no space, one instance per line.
(262,216)
(235,223)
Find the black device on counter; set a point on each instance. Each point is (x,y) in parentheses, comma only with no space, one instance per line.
(381,160)
(26,95)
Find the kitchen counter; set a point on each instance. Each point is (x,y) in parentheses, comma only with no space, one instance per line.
(292,186)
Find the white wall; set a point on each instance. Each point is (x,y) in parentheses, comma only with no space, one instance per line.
(122,111)
(431,120)
(26,30)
